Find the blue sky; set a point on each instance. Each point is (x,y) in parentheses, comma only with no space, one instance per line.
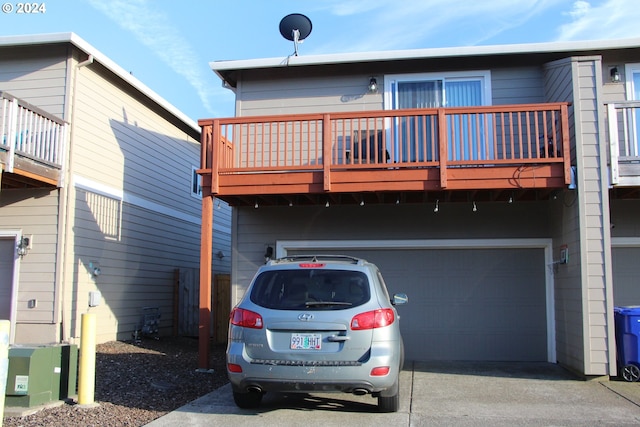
(168,44)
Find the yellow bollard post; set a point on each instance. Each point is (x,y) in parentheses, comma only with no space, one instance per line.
(87,372)
(4,362)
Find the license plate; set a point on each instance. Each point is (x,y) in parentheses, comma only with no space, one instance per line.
(306,341)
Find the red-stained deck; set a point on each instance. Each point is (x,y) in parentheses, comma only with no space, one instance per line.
(385,155)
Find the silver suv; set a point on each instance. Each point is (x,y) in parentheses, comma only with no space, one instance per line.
(316,323)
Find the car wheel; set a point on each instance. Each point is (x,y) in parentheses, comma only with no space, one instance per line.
(250,400)
(390,403)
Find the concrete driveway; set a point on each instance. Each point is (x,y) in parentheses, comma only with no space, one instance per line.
(439,394)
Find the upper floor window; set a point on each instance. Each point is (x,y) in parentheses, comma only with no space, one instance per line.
(433,90)
(630,147)
(632,72)
(196,183)
(414,139)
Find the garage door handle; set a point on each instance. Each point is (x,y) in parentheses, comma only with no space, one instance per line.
(337,338)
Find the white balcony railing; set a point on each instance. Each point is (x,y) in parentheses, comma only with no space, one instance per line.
(624,142)
(27,131)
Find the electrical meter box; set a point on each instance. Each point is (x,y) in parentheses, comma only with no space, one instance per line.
(41,374)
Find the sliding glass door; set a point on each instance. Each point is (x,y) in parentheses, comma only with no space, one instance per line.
(415,137)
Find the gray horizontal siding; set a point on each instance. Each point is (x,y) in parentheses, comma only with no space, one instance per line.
(140,152)
(137,270)
(37,75)
(520,85)
(594,218)
(254,229)
(305,95)
(34,212)
(261,96)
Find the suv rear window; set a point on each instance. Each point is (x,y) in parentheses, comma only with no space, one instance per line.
(320,289)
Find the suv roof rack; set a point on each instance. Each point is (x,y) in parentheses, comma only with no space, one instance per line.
(318,258)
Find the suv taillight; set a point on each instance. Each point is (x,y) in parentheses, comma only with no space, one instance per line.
(245,318)
(373,319)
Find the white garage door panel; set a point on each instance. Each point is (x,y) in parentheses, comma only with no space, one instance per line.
(467,304)
(626,282)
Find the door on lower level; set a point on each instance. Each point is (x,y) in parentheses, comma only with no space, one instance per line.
(7,262)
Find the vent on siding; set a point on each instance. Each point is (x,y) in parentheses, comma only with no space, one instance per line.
(107,212)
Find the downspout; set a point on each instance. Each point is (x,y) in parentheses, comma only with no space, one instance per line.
(65,195)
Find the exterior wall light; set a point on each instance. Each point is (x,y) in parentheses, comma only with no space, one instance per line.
(268,254)
(23,245)
(373,85)
(615,75)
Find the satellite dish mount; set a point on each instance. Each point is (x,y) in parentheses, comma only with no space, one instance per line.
(295,27)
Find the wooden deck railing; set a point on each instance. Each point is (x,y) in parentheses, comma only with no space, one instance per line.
(27,132)
(449,141)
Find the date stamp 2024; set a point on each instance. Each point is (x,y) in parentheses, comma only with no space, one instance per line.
(20,8)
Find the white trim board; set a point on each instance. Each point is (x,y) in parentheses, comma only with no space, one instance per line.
(283,246)
(108,191)
(625,242)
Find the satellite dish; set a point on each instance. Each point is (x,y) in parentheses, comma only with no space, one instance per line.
(295,27)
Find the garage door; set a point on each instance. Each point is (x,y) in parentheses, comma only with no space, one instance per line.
(626,286)
(467,304)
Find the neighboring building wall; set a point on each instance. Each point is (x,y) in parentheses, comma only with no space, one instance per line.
(35,213)
(36,74)
(126,207)
(39,76)
(130,207)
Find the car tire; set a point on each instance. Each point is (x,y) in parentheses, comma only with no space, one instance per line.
(390,403)
(250,400)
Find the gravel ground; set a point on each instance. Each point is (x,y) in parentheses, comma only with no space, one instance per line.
(137,383)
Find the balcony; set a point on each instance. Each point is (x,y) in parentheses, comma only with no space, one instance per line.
(387,156)
(624,144)
(32,143)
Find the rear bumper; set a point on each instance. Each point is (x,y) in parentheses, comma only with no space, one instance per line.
(266,385)
(292,377)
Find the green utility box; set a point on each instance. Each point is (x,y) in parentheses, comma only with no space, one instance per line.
(41,374)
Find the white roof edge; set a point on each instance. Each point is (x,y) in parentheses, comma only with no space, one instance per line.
(98,56)
(395,55)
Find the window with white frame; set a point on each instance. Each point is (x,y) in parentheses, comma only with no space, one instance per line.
(630,147)
(196,183)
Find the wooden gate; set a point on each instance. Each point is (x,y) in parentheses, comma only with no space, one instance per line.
(221,307)
(187,301)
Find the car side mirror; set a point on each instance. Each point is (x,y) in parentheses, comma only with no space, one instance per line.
(399,299)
